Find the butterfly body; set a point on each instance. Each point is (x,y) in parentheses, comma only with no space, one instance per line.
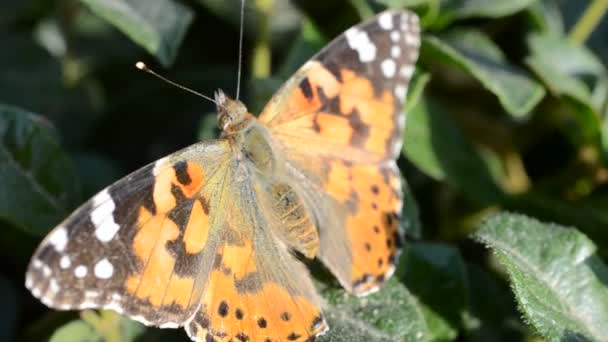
(203,238)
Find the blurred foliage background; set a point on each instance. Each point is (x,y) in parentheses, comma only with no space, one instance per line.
(506,147)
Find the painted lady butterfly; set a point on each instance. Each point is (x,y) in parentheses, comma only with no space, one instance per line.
(202,238)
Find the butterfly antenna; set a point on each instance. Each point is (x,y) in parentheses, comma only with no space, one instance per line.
(143,67)
(238,76)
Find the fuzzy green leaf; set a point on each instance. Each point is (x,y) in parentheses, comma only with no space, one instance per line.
(35,174)
(157,25)
(474,53)
(391,314)
(558,280)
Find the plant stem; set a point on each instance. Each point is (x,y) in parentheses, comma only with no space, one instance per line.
(261,52)
(588,21)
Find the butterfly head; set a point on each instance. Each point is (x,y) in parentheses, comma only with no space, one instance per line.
(232,115)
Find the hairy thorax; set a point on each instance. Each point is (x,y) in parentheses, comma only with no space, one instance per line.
(286,211)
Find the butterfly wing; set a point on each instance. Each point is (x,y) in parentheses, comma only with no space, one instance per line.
(182,242)
(138,246)
(257,291)
(339,123)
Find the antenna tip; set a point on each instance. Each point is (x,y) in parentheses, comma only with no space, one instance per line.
(141,65)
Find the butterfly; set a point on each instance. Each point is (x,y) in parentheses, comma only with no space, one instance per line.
(210,238)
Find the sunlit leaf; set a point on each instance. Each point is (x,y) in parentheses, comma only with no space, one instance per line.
(559,281)
(474,53)
(157,25)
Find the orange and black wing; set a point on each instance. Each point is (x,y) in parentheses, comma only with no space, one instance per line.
(257,291)
(339,122)
(138,247)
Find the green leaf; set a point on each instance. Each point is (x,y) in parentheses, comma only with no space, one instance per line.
(77,330)
(558,280)
(391,314)
(461,9)
(403,3)
(591,220)
(546,16)
(444,302)
(416,88)
(35,174)
(285,17)
(474,53)
(410,220)
(573,74)
(564,66)
(27,69)
(157,25)
(438,148)
(491,315)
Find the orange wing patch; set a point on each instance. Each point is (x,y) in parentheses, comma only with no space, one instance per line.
(331,112)
(373,200)
(176,188)
(375,111)
(195,236)
(241,304)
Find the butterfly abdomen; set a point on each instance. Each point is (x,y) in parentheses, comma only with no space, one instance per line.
(296,225)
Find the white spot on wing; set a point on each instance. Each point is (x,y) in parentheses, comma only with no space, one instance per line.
(53,286)
(386,21)
(91,294)
(81,271)
(395,51)
(103,269)
(46,271)
(169,325)
(389,68)
(37,264)
(360,42)
(48,301)
(411,39)
(401,121)
(159,165)
(407,70)
(400,92)
(141,320)
(65,262)
(395,35)
(102,216)
(114,306)
(88,305)
(63,306)
(59,238)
